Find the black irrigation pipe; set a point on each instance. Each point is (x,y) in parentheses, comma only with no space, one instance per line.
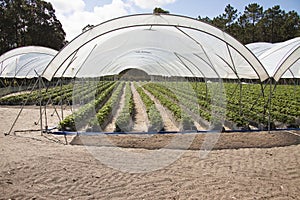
(164,132)
(48,130)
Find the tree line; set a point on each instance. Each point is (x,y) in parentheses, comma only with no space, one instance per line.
(29,22)
(256,24)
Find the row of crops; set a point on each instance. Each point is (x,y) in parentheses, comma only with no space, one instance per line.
(169,100)
(283,104)
(238,105)
(48,95)
(66,94)
(245,104)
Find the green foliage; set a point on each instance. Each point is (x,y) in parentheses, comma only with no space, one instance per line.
(103,115)
(252,108)
(169,100)
(164,100)
(124,121)
(33,98)
(29,22)
(156,122)
(246,105)
(82,116)
(255,24)
(158,10)
(155,119)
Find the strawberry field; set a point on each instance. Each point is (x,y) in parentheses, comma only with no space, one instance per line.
(188,105)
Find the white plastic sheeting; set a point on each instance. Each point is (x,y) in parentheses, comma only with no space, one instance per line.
(167,45)
(281,60)
(259,48)
(25,62)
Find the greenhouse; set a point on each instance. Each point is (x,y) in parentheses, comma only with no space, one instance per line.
(20,66)
(171,45)
(25,62)
(177,70)
(281,60)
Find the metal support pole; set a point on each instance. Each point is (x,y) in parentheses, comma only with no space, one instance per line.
(14,123)
(206,91)
(46,120)
(61,100)
(41,110)
(270,107)
(240,100)
(50,100)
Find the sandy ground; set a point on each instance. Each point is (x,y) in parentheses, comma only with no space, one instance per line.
(110,127)
(169,122)
(141,119)
(43,167)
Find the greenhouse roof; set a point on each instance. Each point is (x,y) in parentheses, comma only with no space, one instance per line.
(165,45)
(281,60)
(25,62)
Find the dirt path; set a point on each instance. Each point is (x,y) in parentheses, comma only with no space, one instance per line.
(197,119)
(16,94)
(169,124)
(141,119)
(111,126)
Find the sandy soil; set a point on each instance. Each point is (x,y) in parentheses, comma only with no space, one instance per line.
(169,122)
(111,126)
(43,167)
(17,93)
(141,119)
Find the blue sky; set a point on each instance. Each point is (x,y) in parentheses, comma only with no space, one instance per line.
(76,14)
(210,8)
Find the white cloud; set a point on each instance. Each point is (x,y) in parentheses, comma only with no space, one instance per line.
(67,7)
(116,8)
(151,4)
(74,17)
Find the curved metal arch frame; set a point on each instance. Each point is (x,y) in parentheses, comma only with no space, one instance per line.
(23,51)
(26,50)
(291,59)
(157,20)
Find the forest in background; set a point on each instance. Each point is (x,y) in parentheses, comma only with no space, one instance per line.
(255,24)
(29,22)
